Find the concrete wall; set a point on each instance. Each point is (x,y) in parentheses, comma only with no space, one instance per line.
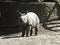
(9,17)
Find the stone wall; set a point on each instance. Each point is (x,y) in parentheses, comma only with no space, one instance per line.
(9,15)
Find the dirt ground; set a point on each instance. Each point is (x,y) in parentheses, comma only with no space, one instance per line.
(44,37)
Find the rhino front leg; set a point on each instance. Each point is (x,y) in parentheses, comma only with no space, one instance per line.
(28,31)
(23,33)
(37,29)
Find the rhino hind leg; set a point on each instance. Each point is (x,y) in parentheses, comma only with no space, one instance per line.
(36,30)
(31,32)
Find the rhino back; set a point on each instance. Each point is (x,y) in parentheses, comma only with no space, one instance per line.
(32,18)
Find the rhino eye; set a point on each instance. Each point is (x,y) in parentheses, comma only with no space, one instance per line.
(20,19)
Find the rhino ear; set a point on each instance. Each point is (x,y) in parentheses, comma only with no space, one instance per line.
(19,12)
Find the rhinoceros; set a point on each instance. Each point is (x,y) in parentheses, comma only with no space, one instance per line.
(29,22)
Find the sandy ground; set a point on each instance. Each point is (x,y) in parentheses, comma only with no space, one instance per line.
(33,40)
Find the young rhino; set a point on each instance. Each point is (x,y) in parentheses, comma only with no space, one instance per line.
(29,22)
